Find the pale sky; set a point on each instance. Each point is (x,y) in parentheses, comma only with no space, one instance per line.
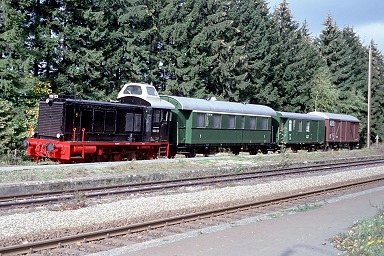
(366,17)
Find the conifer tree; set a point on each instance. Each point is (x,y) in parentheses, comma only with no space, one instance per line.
(14,55)
(292,67)
(81,36)
(342,51)
(184,62)
(377,92)
(130,50)
(255,39)
(333,49)
(220,28)
(308,65)
(357,62)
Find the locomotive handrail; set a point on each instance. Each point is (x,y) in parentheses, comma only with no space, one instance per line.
(74,134)
(82,140)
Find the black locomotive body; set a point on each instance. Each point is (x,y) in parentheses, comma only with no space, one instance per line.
(74,130)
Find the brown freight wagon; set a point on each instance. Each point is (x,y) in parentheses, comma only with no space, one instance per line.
(341,131)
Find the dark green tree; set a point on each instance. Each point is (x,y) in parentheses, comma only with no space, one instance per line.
(297,61)
(356,58)
(333,49)
(308,65)
(13,63)
(344,56)
(183,63)
(198,40)
(377,92)
(255,53)
(126,49)
(82,36)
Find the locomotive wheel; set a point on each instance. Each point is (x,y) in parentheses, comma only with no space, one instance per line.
(117,157)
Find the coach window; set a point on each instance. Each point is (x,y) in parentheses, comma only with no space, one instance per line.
(300,126)
(200,120)
(289,125)
(308,127)
(264,123)
(231,122)
(252,123)
(217,121)
(242,122)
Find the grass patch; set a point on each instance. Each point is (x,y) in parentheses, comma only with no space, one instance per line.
(276,215)
(300,208)
(308,207)
(364,237)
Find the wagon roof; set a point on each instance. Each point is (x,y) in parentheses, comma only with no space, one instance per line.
(223,106)
(332,116)
(301,116)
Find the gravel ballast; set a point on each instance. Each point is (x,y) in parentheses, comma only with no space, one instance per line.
(47,220)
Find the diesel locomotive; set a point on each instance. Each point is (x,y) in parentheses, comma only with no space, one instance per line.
(142,125)
(75,130)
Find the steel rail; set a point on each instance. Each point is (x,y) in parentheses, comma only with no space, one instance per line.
(111,232)
(97,192)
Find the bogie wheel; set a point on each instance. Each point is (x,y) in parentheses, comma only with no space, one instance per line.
(253,151)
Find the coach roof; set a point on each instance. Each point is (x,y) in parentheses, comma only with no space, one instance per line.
(336,116)
(221,106)
(301,116)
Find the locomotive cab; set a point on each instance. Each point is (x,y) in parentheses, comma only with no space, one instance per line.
(158,116)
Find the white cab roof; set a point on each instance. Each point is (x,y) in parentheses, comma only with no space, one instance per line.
(146,92)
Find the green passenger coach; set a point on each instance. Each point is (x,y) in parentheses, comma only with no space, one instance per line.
(299,131)
(206,126)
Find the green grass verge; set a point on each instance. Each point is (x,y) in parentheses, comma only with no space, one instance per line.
(364,237)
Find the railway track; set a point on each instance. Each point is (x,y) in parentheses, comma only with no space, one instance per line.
(49,197)
(217,213)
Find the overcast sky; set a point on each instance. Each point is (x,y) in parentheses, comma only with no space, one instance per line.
(366,17)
